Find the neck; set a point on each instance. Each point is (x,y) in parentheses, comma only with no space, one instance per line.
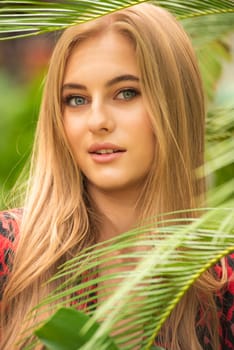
(117,210)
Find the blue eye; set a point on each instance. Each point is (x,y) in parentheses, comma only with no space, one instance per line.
(127,94)
(75,101)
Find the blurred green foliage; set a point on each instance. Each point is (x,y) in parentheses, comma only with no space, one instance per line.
(19,105)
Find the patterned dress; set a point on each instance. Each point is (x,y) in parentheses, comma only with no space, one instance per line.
(9,232)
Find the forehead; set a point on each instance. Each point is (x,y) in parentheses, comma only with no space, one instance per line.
(110,50)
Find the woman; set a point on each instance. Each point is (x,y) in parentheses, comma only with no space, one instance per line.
(120,133)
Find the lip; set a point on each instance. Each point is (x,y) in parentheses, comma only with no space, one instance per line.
(105,145)
(106,157)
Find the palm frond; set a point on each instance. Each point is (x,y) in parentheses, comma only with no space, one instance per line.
(36,17)
(24,18)
(196,8)
(154,273)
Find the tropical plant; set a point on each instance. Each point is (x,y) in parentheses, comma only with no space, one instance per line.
(152,280)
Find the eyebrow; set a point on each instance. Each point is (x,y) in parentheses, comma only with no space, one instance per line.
(118,79)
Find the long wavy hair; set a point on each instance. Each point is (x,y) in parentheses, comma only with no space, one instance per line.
(58,219)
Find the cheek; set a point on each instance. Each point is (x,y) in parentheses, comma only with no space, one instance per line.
(73,136)
(73,129)
(145,130)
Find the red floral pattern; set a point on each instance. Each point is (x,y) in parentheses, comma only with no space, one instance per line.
(9,229)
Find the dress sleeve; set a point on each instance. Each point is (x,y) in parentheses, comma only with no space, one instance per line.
(9,229)
(227,308)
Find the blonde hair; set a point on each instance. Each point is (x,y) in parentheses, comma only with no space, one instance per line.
(58,220)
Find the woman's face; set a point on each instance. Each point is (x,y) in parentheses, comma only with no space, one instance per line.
(105,118)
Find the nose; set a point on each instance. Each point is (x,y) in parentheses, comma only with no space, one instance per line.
(100,119)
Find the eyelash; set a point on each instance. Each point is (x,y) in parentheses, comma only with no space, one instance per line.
(137,93)
(68,99)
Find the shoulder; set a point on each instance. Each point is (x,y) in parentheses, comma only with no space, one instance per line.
(9,230)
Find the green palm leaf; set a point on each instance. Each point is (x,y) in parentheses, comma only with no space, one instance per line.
(151,280)
(35,17)
(57,333)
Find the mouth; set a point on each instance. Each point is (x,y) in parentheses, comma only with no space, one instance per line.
(107,151)
(105,148)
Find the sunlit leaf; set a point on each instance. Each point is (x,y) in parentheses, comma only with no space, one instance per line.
(23,18)
(64,331)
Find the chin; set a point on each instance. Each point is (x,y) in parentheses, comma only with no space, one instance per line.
(117,186)
(110,187)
